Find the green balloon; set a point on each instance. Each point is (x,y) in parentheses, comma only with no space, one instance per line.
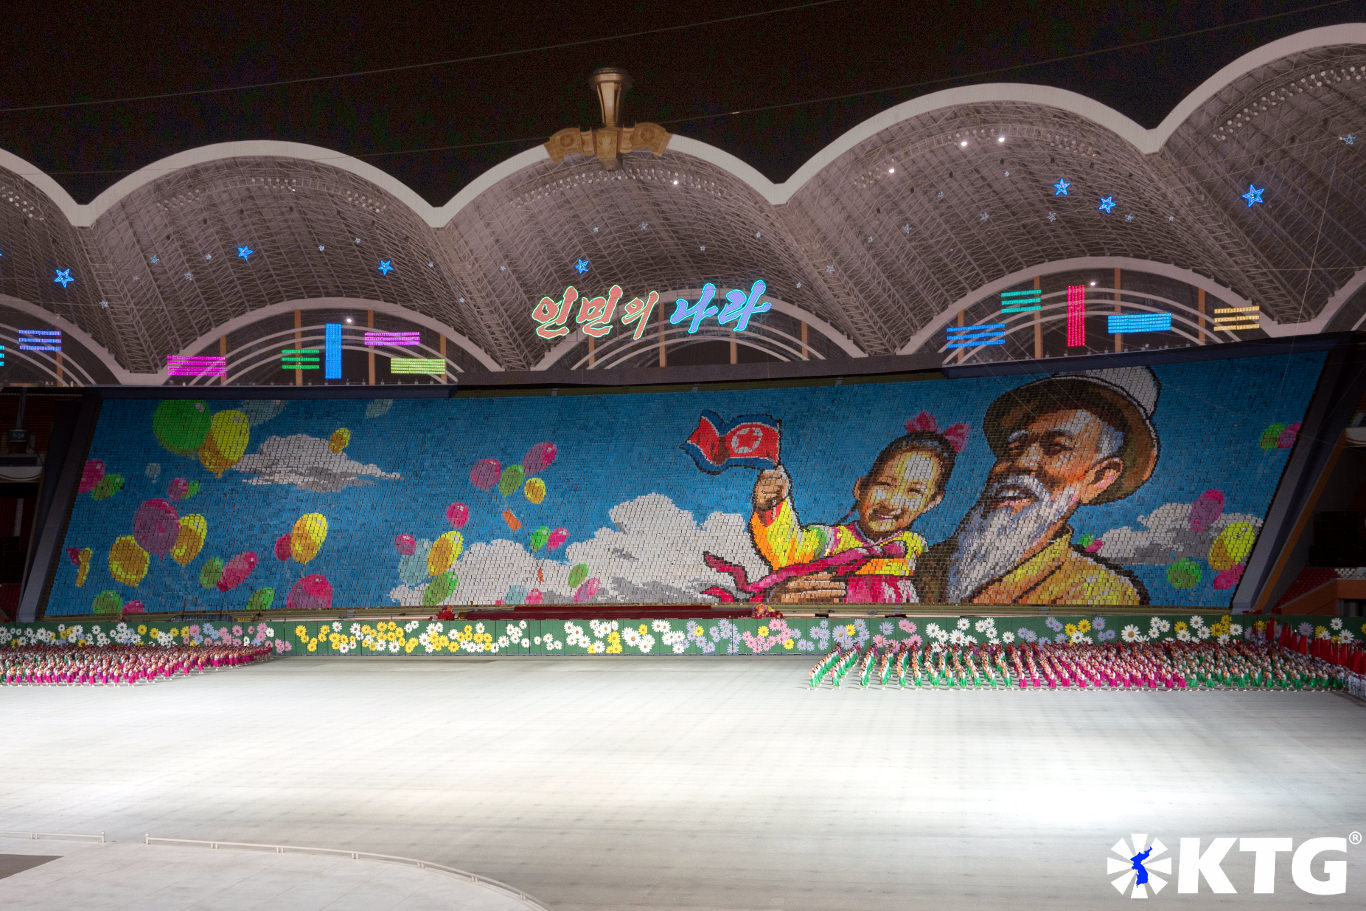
(180,425)
(1184,574)
(109,485)
(209,573)
(1270,436)
(539,537)
(511,479)
(578,574)
(261,599)
(440,588)
(107,602)
(191,489)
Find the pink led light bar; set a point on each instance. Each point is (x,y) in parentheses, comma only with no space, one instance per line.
(393,339)
(1076,316)
(185,365)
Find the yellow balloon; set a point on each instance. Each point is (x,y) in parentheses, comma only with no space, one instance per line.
(1232,546)
(127,561)
(535,490)
(308,535)
(341,438)
(190,540)
(445,551)
(229,432)
(81,572)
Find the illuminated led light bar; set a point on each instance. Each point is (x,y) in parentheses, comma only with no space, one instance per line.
(332,352)
(1076,316)
(299,359)
(430,366)
(1130,323)
(972,336)
(1021,301)
(40,340)
(392,339)
(1237,317)
(185,365)
(2,355)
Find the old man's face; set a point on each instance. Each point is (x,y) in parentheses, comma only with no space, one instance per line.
(1051,465)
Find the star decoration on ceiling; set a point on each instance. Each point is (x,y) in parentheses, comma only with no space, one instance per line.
(244,252)
(155,260)
(1060,188)
(1253,195)
(905,229)
(189,276)
(581,266)
(829,268)
(644,225)
(208,256)
(984,216)
(321,248)
(1106,204)
(63,277)
(1350,139)
(385,267)
(1129,217)
(1052,216)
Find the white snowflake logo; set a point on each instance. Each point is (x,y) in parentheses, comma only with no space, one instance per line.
(1138,867)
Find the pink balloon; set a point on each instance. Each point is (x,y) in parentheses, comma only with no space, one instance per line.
(178,488)
(534,596)
(310,593)
(1288,436)
(405,544)
(282,545)
(557,537)
(90,477)
(1229,578)
(156,527)
(539,457)
(1206,510)
(486,473)
(236,570)
(587,590)
(134,607)
(458,513)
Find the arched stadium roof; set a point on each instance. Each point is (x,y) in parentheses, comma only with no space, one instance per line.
(879,237)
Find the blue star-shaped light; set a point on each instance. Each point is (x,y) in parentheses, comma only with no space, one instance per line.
(244,252)
(1350,139)
(63,277)
(1129,217)
(385,267)
(581,266)
(155,260)
(1060,188)
(1106,204)
(1253,195)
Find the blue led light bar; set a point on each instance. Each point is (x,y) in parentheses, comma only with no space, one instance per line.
(1021,301)
(1128,323)
(40,340)
(332,351)
(971,336)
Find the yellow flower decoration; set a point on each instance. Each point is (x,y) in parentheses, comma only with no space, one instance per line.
(1180,625)
(1070,629)
(142,630)
(614,636)
(301,631)
(849,628)
(312,646)
(644,629)
(1084,625)
(788,643)
(763,631)
(175,631)
(699,633)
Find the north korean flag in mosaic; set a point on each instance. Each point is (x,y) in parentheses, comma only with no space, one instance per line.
(749,441)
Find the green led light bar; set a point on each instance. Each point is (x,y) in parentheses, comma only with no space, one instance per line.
(429,366)
(299,359)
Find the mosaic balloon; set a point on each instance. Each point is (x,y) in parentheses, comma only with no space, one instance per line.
(189,539)
(109,485)
(1288,436)
(134,607)
(577,574)
(440,588)
(516,595)
(557,537)
(1232,545)
(539,537)
(107,602)
(178,488)
(586,591)
(181,425)
(229,432)
(405,544)
(539,457)
(340,439)
(192,489)
(412,568)
(210,572)
(486,473)
(282,547)
(261,599)
(308,535)
(1270,436)
(236,570)
(510,479)
(445,551)
(1229,578)
(128,562)
(82,572)
(91,476)
(1184,574)
(310,593)
(156,527)
(535,490)
(1206,510)
(534,596)
(458,514)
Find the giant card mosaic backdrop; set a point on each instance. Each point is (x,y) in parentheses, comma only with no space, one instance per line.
(1125,486)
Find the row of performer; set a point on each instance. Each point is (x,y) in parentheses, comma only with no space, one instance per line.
(116,664)
(1155,666)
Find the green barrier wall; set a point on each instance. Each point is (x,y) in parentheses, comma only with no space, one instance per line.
(699,636)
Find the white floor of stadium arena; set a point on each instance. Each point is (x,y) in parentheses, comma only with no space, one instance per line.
(687,783)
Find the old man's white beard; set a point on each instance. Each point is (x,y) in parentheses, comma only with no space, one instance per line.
(988,544)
